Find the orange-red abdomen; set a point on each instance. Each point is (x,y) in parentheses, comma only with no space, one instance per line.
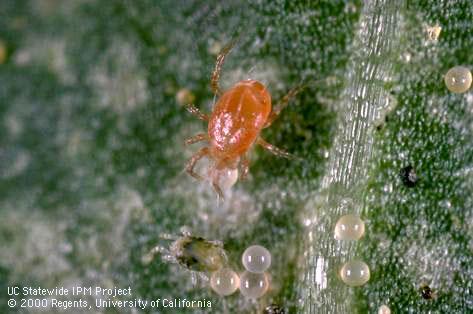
(238,118)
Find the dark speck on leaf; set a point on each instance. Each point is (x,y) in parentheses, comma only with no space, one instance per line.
(426,292)
(409,176)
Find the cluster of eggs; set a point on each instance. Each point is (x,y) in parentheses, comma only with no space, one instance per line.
(253,282)
(355,272)
(351,228)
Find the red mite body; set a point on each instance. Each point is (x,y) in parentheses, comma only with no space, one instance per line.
(235,126)
(237,120)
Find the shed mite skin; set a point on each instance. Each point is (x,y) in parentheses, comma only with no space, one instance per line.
(196,254)
(234,125)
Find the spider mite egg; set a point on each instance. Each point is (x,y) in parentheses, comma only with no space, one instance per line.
(349,227)
(355,273)
(253,285)
(458,79)
(224,281)
(384,309)
(256,259)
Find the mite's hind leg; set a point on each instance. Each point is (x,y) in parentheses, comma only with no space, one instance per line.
(196,112)
(197,138)
(196,276)
(204,151)
(273,149)
(203,277)
(244,167)
(165,253)
(185,231)
(214,81)
(282,103)
(168,236)
(217,187)
(215,177)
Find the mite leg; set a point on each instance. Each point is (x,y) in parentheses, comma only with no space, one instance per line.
(244,167)
(203,276)
(197,138)
(194,159)
(196,112)
(273,149)
(217,243)
(166,254)
(185,231)
(218,67)
(215,178)
(196,275)
(282,103)
(168,236)
(159,249)
(217,189)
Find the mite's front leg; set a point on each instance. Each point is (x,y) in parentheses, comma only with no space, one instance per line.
(197,138)
(273,149)
(282,103)
(204,151)
(214,81)
(196,112)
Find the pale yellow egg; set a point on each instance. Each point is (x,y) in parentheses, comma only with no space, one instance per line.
(349,227)
(384,309)
(256,259)
(253,285)
(224,281)
(355,273)
(458,79)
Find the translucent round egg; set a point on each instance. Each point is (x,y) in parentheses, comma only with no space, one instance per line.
(349,227)
(355,273)
(253,285)
(384,309)
(224,281)
(256,259)
(458,79)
